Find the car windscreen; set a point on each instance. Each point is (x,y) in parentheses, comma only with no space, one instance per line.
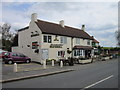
(6,54)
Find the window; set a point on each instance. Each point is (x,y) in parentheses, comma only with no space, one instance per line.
(47,39)
(75,52)
(63,40)
(61,53)
(88,42)
(21,55)
(14,54)
(77,41)
(78,52)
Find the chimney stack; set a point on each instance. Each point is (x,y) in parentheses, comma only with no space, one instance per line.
(62,23)
(34,17)
(83,27)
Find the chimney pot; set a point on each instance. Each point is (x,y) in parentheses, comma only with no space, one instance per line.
(34,17)
(83,27)
(61,23)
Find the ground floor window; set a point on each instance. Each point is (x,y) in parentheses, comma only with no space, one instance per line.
(61,53)
(78,52)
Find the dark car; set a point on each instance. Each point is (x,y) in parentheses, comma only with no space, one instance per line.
(12,57)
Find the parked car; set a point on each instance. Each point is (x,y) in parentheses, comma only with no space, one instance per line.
(12,57)
(2,53)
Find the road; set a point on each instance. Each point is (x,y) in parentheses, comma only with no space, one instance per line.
(101,74)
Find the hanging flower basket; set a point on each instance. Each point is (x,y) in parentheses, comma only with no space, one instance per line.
(68,51)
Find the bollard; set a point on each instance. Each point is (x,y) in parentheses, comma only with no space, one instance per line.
(61,64)
(15,67)
(44,64)
(53,63)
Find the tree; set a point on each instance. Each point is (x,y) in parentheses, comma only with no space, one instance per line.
(7,37)
(15,40)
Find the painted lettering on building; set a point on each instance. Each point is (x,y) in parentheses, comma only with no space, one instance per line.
(56,46)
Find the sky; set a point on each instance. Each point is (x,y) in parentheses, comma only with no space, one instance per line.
(100,18)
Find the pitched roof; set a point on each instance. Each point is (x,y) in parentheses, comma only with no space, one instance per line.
(56,29)
(94,40)
(83,47)
(23,28)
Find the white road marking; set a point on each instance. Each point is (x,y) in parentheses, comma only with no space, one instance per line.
(98,82)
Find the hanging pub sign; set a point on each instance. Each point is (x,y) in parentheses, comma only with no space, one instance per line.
(56,46)
(35,45)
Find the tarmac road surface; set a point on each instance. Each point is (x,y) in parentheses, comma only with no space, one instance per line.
(102,74)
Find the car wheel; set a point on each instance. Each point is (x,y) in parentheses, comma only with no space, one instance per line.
(27,61)
(10,62)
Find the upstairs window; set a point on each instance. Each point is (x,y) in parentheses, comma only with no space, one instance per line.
(63,40)
(88,42)
(47,39)
(77,41)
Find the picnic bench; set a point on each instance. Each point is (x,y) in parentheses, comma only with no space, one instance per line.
(68,61)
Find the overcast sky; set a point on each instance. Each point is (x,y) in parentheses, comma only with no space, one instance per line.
(100,18)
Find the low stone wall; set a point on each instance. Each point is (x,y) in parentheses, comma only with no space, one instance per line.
(85,61)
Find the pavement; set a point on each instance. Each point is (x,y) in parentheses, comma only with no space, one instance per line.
(32,70)
(99,74)
(26,71)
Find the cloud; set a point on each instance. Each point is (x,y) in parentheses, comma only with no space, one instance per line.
(60,0)
(100,18)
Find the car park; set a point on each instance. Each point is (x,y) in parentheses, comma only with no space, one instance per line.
(14,57)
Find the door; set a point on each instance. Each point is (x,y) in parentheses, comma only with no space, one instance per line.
(22,58)
(15,57)
(44,54)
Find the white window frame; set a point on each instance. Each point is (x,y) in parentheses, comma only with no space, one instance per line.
(88,42)
(47,39)
(61,54)
(78,52)
(63,40)
(78,41)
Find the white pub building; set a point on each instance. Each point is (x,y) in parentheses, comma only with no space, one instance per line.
(43,40)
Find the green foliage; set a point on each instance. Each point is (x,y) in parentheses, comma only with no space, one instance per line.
(6,45)
(15,40)
(69,52)
(112,48)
